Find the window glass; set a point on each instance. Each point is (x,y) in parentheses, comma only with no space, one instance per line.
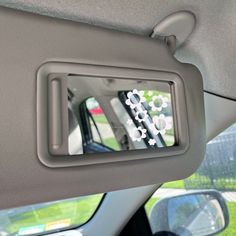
(150,117)
(47,217)
(218,171)
(123,118)
(162,102)
(95,134)
(75,144)
(100,127)
(123,114)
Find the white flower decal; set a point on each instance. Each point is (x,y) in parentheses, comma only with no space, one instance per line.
(129,122)
(141,116)
(154,129)
(158,103)
(138,134)
(161,123)
(135,98)
(152,142)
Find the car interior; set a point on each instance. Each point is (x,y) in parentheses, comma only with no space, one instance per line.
(117,117)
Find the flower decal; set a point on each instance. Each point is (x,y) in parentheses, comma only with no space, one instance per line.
(152,142)
(158,103)
(161,123)
(138,134)
(141,116)
(129,122)
(154,129)
(135,98)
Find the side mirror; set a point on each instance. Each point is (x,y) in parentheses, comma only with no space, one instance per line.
(195,213)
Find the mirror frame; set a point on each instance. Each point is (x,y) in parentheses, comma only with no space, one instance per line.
(52,87)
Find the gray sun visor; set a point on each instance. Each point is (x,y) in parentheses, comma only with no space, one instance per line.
(87,110)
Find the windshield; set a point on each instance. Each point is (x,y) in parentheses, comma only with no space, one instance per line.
(48,217)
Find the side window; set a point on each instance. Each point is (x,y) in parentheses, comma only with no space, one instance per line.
(217,172)
(49,217)
(101,130)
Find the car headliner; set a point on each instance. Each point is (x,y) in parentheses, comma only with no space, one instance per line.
(212,46)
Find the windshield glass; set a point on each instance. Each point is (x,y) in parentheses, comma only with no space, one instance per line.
(48,217)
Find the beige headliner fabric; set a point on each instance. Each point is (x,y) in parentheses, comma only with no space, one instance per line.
(212,47)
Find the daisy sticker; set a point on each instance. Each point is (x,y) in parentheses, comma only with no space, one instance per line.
(158,103)
(152,142)
(138,134)
(135,98)
(129,122)
(141,116)
(161,123)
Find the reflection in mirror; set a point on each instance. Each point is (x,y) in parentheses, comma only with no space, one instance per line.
(197,214)
(118,114)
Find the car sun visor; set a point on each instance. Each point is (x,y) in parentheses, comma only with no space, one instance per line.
(89,110)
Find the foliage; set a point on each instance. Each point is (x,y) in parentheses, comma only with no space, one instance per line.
(197,181)
(111,143)
(150,203)
(175,184)
(231,229)
(101,118)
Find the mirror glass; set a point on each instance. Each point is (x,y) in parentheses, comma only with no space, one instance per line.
(198,214)
(109,114)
